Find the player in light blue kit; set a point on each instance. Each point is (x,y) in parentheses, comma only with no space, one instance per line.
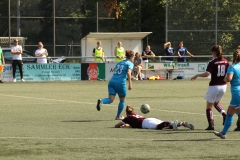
(233,76)
(117,84)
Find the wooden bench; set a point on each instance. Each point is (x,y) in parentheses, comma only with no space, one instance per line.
(169,71)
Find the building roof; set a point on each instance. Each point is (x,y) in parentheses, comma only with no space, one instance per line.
(116,35)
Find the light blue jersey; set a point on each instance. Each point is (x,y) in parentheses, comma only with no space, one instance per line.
(235,84)
(120,71)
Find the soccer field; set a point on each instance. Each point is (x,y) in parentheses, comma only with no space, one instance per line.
(59,120)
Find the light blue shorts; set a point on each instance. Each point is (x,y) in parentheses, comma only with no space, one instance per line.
(235,101)
(117,88)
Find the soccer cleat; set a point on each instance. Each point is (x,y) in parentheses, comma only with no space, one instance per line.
(188,125)
(1,81)
(219,134)
(237,129)
(99,102)
(14,80)
(22,80)
(210,128)
(175,124)
(119,118)
(224,117)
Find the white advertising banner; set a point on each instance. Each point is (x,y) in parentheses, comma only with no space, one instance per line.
(187,70)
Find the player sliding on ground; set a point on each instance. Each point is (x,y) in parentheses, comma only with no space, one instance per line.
(134,120)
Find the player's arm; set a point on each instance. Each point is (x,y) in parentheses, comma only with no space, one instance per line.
(228,77)
(46,52)
(125,126)
(93,53)
(144,54)
(123,52)
(103,55)
(3,61)
(165,45)
(179,55)
(20,51)
(14,52)
(206,74)
(152,55)
(129,75)
(118,125)
(140,64)
(190,54)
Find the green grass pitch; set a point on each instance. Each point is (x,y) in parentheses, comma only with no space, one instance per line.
(59,120)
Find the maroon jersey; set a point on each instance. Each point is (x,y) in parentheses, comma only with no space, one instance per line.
(134,120)
(218,70)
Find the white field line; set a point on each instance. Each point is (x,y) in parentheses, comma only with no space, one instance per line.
(46,99)
(117,139)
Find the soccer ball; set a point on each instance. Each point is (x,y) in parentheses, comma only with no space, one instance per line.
(145,108)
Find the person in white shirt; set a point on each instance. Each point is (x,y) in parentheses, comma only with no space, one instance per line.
(16,51)
(41,53)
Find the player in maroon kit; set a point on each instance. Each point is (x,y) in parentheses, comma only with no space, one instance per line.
(134,120)
(217,86)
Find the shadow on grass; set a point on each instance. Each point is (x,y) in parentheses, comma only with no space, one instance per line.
(83,121)
(176,140)
(175,132)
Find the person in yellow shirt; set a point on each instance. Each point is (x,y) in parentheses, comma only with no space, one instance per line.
(119,52)
(98,53)
(2,63)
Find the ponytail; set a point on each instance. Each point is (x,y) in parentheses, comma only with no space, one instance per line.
(218,51)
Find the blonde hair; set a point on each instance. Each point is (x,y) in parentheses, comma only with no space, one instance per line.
(40,43)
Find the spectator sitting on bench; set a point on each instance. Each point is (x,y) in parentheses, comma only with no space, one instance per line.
(137,66)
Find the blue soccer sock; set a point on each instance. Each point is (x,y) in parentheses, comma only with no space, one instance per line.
(121,105)
(106,101)
(227,124)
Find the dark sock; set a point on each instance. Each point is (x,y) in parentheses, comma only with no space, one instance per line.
(163,125)
(209,117)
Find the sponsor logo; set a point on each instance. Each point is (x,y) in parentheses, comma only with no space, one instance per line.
(93,72)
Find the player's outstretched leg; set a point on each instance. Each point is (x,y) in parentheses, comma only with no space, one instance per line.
(227,124)
(99,102)
(174,125)
(188,125)
(103,101)
(219,134)
(221,110)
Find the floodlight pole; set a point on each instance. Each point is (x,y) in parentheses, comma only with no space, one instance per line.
(139,15)
(54,25)
(216,23)
(166,22)
(18,19)
(97,16)
(9,23)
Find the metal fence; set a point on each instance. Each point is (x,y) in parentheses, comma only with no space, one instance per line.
(203,23)
(58,24)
